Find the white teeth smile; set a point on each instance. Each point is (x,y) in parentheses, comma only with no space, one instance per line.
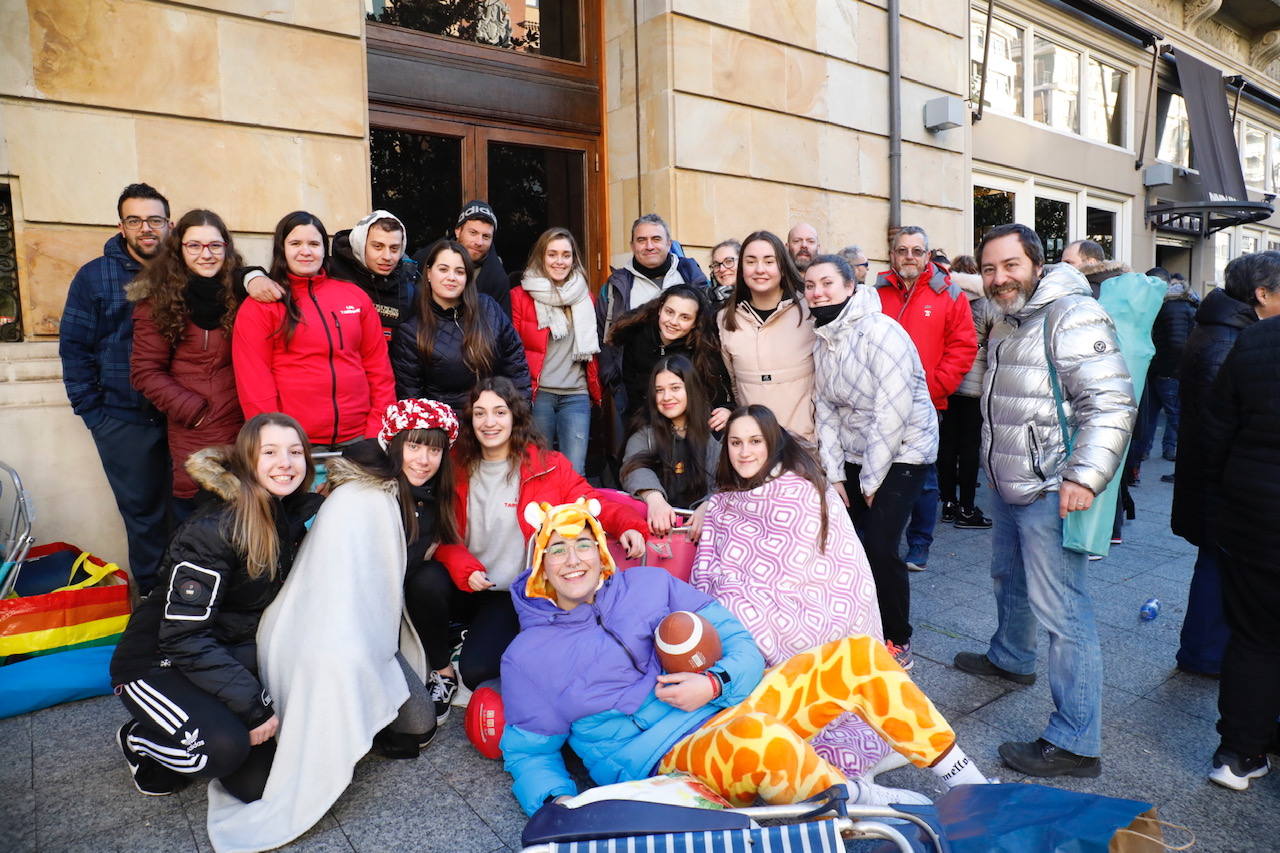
(573,576)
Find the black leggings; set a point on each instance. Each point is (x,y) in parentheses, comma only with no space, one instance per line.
(959,442)
(433,601)
(190,732)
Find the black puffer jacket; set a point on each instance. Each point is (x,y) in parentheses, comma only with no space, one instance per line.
(1242,445)
(1219,321)
(491,277)
(393,295)
(641,347)
(202,617)
(1174,322)
(446,376)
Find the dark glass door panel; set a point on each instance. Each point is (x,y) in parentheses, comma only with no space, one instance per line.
(532,189)
(418,177)
(990,208)
(551,28)
(1052,223)
(1100,227)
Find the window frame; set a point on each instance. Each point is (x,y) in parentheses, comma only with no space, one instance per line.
(1030,31)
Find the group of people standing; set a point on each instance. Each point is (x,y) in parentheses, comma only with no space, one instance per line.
(753,407)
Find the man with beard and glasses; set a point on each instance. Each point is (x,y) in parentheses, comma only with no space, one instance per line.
(803,245)
(920,295)
(95,344)
(1053,328)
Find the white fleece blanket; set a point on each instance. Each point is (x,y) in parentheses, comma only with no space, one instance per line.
(326,647)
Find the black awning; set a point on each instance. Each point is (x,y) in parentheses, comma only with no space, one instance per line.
(1101,14)
(1202,218)
(1213,138)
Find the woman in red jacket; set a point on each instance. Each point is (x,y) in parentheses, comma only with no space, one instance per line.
(181,362)
(318,354)
(501,465)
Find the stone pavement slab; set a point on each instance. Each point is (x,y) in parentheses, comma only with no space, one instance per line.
(63,785)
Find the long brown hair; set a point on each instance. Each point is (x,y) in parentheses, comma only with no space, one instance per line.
(703,340)
(279,272)
(697,411)
(389,465)
(252,528)
(163,282)
(524,432)
(785,450)
(539,251)
(792,282)
(477,339)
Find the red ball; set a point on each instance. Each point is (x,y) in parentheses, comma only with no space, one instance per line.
(686,642)
(485,719)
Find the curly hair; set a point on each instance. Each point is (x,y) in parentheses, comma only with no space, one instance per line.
(524,432)
(163,282)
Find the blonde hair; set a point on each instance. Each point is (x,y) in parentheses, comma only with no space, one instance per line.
(253,531)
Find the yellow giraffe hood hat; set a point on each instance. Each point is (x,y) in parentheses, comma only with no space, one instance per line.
(568,520)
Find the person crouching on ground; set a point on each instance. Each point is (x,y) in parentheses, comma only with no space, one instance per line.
(186,667)
(583,670)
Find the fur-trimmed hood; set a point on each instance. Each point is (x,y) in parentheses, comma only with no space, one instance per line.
(342,471)
(138,289)
(1103,270)
(208,468)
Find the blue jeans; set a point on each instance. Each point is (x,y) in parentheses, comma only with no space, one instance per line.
(565,421)
(1165,390)
(1204,627)
(1036,579)
(135,458)
(924,516)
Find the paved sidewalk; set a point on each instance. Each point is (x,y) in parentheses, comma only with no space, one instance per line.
(63,784)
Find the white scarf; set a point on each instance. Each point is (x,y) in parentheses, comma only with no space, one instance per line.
(551,301)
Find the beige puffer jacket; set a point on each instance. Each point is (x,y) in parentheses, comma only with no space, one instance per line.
(771,363)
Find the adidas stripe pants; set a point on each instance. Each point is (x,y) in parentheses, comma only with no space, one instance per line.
(188,731)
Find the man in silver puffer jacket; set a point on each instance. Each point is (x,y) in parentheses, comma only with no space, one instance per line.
(1037,485)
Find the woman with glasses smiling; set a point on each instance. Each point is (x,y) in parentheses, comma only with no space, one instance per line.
(185,306)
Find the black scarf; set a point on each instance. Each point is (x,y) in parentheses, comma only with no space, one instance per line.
(824,314)
(424,499)
(657,273)
(205,301)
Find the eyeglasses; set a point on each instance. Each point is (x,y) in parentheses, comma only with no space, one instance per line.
(217,248)
(559,552)
(912,252)
(133,223)
(727,263)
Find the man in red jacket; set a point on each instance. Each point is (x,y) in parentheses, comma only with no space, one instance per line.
(919,295)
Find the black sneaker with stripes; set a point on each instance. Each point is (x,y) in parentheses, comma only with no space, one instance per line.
(149,777)
(443,688)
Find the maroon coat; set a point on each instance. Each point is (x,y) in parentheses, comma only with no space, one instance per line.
(192,383)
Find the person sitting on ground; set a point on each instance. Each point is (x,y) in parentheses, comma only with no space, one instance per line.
(786,562)
(584,671)
(370,256)
(457,335)
(501,463)
(670,461)
(184,309)
(318,354)
(186,667)
(877,430)
(680,322)
(412,449)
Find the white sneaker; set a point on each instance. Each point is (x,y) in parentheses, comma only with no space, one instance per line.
(892,761)
(864,793)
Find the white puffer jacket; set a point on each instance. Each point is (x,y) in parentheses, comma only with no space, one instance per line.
(1022,447)
(870,396)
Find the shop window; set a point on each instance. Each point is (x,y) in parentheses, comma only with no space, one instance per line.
(1053,222)
(1004,64)
(1056,92)
(1221,254)
(1248,244)
(991,207)
(1253,155)
(1100,227)
(1273,245)
(417,176)
(1105,102)
(550,28)
(1173,129)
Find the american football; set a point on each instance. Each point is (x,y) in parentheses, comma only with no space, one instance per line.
(686,642)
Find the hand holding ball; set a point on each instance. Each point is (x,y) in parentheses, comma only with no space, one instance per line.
(686,642)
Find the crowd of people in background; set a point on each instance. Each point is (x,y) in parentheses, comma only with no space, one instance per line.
(806,423)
